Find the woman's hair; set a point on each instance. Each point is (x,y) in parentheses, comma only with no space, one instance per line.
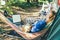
(54,13)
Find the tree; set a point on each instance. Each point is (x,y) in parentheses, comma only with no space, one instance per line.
(37,1)
(28,1)
(34,1)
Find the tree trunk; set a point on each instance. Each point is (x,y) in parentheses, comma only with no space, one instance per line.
(34,1)
(28,1)
(37,1)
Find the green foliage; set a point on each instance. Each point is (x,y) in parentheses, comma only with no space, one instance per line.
(8,9)
(23,3)
(10,2)
(20,3)
(50,0)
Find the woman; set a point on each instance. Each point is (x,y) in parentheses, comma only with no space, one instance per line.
(39,25)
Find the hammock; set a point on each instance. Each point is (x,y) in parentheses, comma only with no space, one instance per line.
(24,35)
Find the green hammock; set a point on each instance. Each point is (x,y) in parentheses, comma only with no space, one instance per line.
(53,32)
